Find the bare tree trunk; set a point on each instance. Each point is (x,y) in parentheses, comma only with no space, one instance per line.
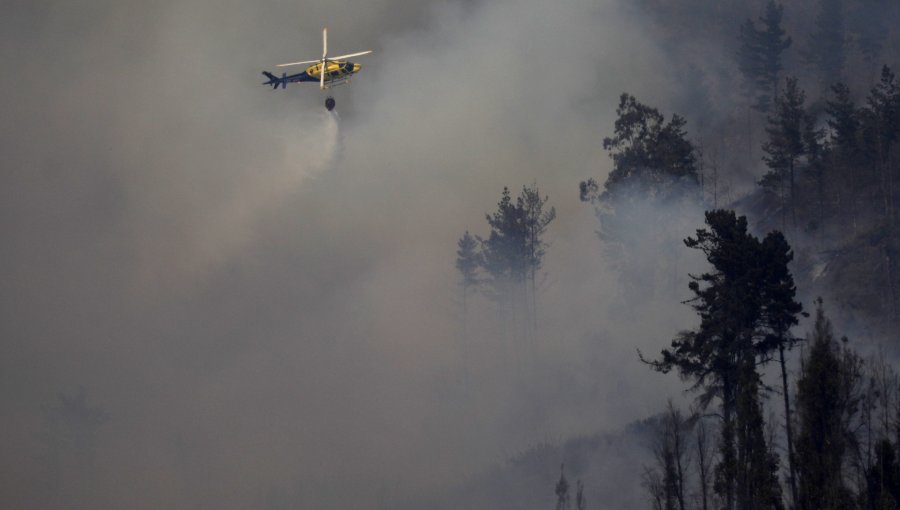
(793,196)
(703,463)
(465,353)
(788,428)
(729,459)
(678,429)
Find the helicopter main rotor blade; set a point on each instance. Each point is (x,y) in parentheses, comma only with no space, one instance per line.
(322,72)
(350,55)
(298,63)
(324,43)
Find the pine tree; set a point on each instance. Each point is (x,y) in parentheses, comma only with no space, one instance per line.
(845,150)
(729,306)
(779,315)
(881,129)
(746,308)
(760,56)
(843,121)
(773,42)
(505,251)
(513,254)
(536,220)
(750,64)
(825,402)
(785,146)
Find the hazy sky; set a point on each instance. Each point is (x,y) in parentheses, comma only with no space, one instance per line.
(260,294)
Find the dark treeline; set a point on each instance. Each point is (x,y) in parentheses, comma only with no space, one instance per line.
(846,421)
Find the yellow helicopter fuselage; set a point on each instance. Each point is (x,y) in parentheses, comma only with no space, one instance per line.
(335,71)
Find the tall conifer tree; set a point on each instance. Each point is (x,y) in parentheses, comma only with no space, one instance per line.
(760,56)
(536,220)
(742,305)
(513,254)
(785,146)
(728,303)
(845,150)
(825,401)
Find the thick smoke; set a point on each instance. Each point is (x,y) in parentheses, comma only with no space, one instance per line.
(259,295)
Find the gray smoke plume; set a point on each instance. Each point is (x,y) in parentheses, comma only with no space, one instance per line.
(258,296)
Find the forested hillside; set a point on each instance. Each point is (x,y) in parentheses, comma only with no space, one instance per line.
(788,135)
(798,131)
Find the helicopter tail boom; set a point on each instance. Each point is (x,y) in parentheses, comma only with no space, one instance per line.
(275,81)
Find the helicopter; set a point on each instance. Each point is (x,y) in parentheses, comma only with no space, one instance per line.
(328,71)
